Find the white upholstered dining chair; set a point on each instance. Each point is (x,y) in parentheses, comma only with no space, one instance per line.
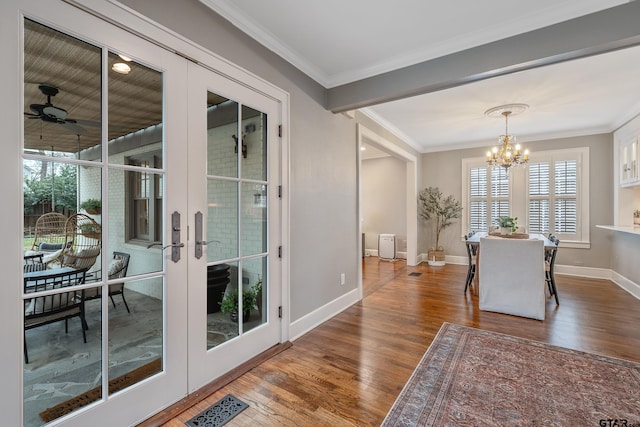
(512,277)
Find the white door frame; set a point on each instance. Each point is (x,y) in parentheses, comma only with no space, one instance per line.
(207,364)
(366,135)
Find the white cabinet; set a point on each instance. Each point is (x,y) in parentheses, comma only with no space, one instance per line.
(629,163)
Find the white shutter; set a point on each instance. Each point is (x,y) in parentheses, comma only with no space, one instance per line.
(478,215)
(499,208)
(478,182)
(478,198)
(499,182)
(539,216)
(566,192)
(539,197)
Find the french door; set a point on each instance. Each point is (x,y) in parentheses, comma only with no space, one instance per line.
(234,270)
(182,277)
(93,133)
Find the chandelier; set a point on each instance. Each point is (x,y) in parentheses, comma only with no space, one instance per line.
(507,153)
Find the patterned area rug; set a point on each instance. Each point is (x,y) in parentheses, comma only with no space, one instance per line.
(472,377)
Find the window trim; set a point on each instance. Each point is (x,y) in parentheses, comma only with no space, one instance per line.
(155,219)
(520,185)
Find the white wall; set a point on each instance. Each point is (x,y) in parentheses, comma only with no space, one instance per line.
(384,201)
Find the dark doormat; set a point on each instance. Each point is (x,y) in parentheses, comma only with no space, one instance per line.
(219,413)
(415,274)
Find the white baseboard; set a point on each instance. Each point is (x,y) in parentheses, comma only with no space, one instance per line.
(590,272)
(374,252)
(322,314)
(626,284)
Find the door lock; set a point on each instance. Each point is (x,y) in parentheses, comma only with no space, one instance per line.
(176,244)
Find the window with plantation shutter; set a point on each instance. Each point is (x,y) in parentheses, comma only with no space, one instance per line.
(488,196)
(553,183)
(539,197)
(549,195)
(499,194)
(478,194)
(566,193)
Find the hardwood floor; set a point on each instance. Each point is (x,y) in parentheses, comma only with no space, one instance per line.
(349,370)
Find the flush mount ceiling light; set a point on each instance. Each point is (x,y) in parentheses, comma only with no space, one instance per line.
(121,67)
(507,154)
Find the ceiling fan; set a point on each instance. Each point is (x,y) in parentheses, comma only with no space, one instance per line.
(48,112)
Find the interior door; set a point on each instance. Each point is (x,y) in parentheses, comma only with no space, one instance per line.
(234,269)
(100,133)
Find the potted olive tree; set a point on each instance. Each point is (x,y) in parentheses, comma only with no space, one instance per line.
(440,211)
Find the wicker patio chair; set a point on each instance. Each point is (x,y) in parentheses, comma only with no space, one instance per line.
(82,244)
(50,232)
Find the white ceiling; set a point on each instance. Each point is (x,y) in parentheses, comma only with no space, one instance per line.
(337,42)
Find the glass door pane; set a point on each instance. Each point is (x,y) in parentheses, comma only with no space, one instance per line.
(94,222)
(62,192)
(236,225)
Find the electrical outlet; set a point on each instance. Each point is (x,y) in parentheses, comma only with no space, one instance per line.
(342,279)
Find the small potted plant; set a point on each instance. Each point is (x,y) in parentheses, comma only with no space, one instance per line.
(441,211)
(636,217)
(229,304)
(257,291)
(92,206)
(91,230)
(508,225)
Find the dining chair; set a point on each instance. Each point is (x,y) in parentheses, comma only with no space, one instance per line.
(472,251)
(549,266)
(46,309)
(33,263)
(512,277)
(117,269)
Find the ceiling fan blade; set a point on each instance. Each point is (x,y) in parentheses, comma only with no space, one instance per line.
(91,123)
(53,111)
(72,127)
(88,123)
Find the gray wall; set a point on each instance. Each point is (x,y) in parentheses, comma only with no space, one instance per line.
(384,201)
(322,156)
(624,254)
(444,170)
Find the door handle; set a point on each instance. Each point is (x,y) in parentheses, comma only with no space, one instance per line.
(176,244)
(198,236)
(173,245)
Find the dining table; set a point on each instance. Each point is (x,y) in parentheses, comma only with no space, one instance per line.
(31,277)
(475,241)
